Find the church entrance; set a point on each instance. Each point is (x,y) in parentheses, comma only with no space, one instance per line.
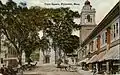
(47,59)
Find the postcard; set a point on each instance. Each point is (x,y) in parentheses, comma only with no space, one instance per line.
(59,37)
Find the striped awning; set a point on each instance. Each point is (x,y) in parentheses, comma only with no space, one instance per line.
(112,54)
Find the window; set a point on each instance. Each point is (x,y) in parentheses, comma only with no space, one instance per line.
(104,37)
(1,60)
(85,20)
(88,18)
(114,31)
(117,28)
(91,20)
(91,46)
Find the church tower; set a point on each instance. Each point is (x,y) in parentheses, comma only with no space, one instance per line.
(87,22)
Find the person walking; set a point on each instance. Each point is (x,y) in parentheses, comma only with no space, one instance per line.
(59,62)
(94,70)
(1,72)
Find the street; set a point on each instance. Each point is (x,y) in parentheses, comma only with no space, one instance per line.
(49,70)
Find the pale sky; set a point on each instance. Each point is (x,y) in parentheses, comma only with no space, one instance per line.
(102,6)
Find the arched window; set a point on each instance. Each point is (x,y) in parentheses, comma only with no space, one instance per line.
(88,18)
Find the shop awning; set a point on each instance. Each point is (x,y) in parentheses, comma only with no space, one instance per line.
(100,56)
(112,54)
(7,59)
(93,59)
(96,57)
(84,60)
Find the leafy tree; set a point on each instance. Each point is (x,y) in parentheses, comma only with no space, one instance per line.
(30,45)
(69,44)
(19,28)
(59,26)
(44,44)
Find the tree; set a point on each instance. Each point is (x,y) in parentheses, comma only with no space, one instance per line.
(44,44)
(59,26)
(19,28)
(70,44)
(30,45)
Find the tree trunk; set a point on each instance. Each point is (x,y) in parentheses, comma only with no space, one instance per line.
(55,55)
(20,59)
(64,57)
(43,56)
(60,53)
(0,47)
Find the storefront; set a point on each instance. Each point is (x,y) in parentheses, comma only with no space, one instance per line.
(94,62)
(112,60)
(83,63)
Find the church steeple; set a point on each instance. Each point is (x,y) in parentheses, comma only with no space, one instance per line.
(87,2)
(87,20)
(88,14)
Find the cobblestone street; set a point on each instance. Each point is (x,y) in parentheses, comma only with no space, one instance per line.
(49,70)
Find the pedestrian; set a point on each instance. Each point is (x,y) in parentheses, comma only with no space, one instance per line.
(94,70)
(5,72)
(59,62)
(2,69)
(1,72)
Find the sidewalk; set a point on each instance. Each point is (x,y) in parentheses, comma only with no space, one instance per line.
(82,72)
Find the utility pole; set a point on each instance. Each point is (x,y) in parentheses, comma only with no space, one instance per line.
(0,48)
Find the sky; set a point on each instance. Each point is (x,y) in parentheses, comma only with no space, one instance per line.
(102,6)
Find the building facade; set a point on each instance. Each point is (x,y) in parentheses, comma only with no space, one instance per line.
(102,46)
(8,54)
(47,55)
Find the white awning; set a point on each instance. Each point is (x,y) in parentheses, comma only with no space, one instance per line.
(96,57)
(13,58)
(93,59)
(101,55)
(112,54)
(84,60)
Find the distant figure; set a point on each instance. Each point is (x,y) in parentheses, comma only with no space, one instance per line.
(1,72)
(59,62)
(2,69)
(66,61)
(5,72)
(94,70)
